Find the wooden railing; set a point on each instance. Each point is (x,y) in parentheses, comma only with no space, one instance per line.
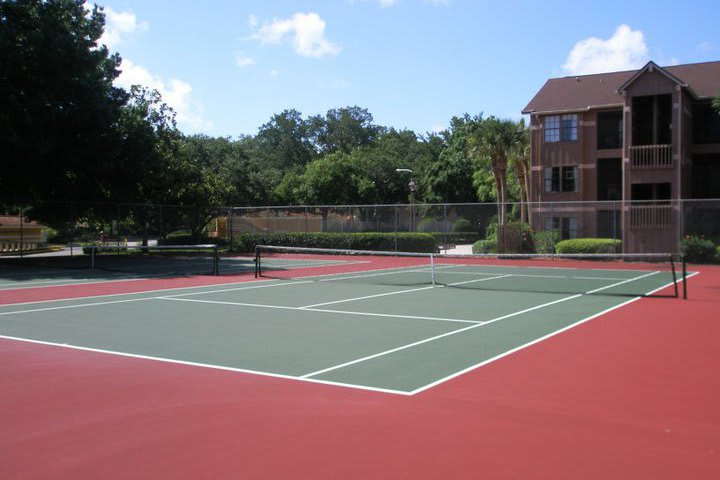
(651,216)
(651,156)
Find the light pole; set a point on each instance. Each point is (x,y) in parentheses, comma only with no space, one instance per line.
(413,188)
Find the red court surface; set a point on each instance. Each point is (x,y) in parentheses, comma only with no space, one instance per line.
(633,394)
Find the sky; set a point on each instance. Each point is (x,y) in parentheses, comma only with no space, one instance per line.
(227,66)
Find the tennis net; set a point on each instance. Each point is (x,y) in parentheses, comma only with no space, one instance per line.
(629,275)
(170,260)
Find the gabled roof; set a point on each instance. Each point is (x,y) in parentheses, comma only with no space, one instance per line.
(585,92)
(651,67)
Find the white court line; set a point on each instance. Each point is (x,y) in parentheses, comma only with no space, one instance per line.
(366,297)
(487,322)
(309,380)
(537,340)
(623,282)
(203,365)
(79,305)
(478,280)
(400,291)
(437,337)
(282,307)
(67,281)
(571,277)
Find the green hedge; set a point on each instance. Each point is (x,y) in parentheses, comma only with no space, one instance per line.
(406,242)
(463,225)
(484,246)
(698,249)
(589,245)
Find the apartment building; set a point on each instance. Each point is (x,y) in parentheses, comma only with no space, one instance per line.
(636,142)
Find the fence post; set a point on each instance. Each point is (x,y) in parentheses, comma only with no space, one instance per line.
(447,227)
(22,238)
(396,227)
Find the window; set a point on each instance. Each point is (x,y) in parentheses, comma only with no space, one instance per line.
(566,226)
(610,130)
(569,128)
(705,123)
(565,127)
(561,179)
(552,128)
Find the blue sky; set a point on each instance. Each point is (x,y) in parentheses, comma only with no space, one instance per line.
(228,66)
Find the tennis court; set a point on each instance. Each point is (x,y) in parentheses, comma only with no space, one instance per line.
(362,366)
(390,324)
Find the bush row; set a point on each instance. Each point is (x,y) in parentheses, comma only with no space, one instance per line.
(405,242)
(698,249)
(547,245)
(589,245)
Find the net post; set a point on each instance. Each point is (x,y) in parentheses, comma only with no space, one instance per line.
(257,261)
(432,268)
(674,276)
(684,275)
(216,261)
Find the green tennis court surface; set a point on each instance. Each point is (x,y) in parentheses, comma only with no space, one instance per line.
(343,329)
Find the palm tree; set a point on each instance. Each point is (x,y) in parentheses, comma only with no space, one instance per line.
(519,160)
(496,140)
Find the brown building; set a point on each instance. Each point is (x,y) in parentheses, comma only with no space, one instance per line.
(636,142)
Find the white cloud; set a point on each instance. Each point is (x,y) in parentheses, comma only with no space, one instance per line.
(438,3)
(387,3)
(705,46)
(274,73)
(176,93)
(243,61)
(437,128)
(253,21)
(120,25)
(304,31)
(625,50)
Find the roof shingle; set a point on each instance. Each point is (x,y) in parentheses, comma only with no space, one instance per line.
(584,92)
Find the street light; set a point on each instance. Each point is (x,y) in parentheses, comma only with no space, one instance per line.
(413,188)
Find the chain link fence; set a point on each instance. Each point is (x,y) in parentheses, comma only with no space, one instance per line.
(641,226)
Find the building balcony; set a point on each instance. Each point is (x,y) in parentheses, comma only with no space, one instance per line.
(651,216)
(651,156)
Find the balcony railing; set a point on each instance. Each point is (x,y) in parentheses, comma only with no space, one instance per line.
(651,156)
(651,216)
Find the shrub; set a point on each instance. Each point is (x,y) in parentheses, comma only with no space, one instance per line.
(697,249)
(717,254)
(546,240)
(589,245)
(406,242)
(462,225)
(427,225)
(515,237)
(484,246)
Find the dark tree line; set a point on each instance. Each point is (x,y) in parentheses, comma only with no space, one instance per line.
(67,134)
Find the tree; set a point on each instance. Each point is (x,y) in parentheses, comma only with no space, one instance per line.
(449,177)
(519,161)
(332,180)
(495,140)
(344,129)
(142,173)
(285,141)
(58,106)
(716,103)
